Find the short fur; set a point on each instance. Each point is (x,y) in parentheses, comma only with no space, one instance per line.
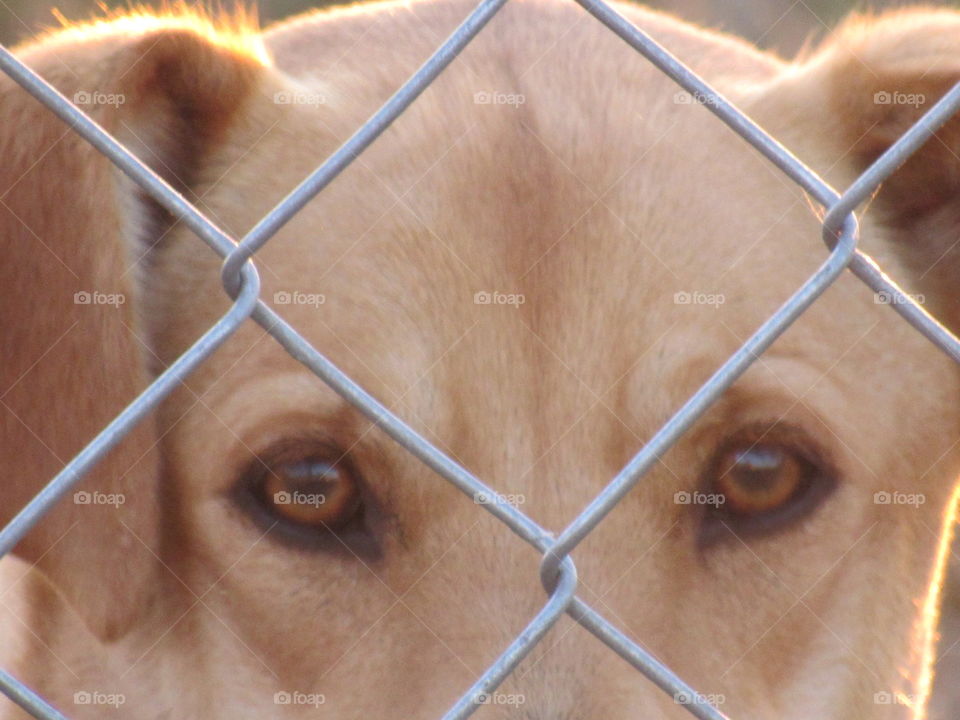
(597,198)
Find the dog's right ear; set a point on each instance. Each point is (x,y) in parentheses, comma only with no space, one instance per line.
(77,238)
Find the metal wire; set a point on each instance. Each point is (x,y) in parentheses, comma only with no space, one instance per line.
(558,572)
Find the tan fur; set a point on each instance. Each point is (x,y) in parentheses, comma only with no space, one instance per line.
(598,198)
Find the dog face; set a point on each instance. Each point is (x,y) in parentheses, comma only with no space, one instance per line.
(535,267)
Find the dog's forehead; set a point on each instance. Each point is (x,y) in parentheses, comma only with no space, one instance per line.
(534,243)
(506,248)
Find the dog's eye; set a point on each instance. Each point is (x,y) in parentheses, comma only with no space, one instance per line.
(310,496)
(311,491)
(759,479)
(757,486)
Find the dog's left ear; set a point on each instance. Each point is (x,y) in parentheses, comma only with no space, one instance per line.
(77,239)
(851,100)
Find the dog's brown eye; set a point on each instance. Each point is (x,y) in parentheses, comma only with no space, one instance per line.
(310,496)
(758,486)
(311,491)
(759,479)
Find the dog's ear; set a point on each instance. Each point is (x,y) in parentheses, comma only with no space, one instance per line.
(77,238)
(852,100)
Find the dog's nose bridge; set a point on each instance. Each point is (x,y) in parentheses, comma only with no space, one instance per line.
(578,680)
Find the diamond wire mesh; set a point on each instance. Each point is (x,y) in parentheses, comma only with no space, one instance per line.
(558,572)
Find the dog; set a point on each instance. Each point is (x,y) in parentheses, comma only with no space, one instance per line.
(534,266)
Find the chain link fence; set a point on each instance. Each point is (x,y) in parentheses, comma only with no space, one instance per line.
(558,572)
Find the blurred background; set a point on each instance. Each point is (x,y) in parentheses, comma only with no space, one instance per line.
(780,25)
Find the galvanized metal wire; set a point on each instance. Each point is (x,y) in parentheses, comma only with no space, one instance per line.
(241,283)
